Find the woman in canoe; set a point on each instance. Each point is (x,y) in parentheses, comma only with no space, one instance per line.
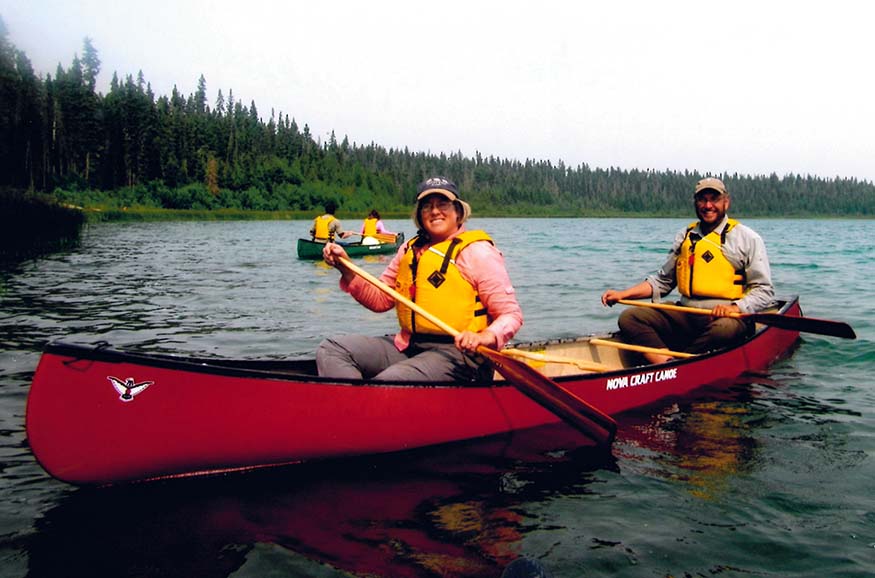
(456,274)
(373,226)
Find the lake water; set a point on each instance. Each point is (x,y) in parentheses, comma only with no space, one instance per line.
(772,477)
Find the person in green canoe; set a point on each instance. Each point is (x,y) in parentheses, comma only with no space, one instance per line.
(326,226)
(372,227)
(716,263)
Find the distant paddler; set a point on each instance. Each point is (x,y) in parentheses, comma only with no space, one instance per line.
(373,230)
(327,227)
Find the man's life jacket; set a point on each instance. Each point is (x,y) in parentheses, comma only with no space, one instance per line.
(703,271)
(322,227)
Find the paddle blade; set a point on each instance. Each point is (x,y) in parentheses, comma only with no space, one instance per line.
(592,422)
(385,237)
(806,324)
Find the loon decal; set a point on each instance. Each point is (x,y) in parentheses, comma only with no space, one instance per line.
(128,388)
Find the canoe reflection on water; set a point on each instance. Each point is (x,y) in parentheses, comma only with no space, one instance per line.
(442,511)
(706,453)
(456,510)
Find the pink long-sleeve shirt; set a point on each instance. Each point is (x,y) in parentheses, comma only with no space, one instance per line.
(481,264)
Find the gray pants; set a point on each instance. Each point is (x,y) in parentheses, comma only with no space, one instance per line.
(690,332)
(377,358)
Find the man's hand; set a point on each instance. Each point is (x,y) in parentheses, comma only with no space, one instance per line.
(730,310)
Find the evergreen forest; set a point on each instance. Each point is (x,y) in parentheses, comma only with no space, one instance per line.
(131,149)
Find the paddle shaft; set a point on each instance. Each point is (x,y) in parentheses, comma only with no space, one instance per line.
(576,412)
(382,237)
(789,322)
(397,296)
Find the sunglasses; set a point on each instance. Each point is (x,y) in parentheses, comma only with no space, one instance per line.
(442,205)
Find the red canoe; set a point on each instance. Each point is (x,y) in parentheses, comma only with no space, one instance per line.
(96,415)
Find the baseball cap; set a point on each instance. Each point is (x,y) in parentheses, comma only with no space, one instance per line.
(711,183)
(440,185)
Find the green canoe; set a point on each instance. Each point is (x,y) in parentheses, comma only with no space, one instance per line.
(308,249)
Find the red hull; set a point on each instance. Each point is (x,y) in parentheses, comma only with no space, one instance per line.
(203,416)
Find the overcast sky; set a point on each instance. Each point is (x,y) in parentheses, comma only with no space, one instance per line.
(753,87)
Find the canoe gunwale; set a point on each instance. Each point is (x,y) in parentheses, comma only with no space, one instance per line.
(281,370)
(285,369)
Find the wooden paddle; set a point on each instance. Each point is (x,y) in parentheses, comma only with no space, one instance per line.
(790,322)
(385,237)
(591,421)
(381,237)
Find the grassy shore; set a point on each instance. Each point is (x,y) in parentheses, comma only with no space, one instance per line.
(99,214)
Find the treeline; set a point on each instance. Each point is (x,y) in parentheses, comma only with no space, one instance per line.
(132,148)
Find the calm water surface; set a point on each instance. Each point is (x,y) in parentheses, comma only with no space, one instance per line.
(772,477)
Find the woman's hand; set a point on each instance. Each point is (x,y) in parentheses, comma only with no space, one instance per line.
(468,341)
(331,252)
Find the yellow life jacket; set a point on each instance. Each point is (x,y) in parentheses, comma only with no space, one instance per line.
(703,271)
(322,224)
(433,282)
(370,227)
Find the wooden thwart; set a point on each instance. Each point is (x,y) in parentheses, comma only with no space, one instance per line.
(581,364)
(640,348)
